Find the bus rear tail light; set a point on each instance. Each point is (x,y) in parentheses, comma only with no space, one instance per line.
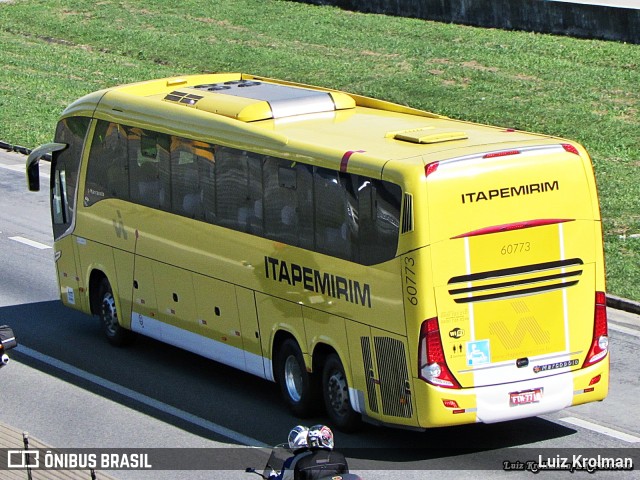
(432,367)
(600,343)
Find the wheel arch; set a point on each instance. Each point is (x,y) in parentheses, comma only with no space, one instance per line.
(95,278)
(321,352)
(279,337)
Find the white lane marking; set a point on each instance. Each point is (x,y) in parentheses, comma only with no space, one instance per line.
(15,168)
(600,429)
(138,397)
(31,243)
(21,168)
(627,330)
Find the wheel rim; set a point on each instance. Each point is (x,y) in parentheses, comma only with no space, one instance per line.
(109,314)
(293,378)
(338,393)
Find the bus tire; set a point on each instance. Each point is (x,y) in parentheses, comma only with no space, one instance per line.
(108,314)
(295,382)
(335,390)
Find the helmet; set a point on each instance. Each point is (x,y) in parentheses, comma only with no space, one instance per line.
(298,437)
(320,436)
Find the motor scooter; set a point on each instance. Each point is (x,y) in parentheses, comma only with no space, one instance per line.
(7,342)
(322,471)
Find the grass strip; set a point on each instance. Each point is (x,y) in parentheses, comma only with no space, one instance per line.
(55,51)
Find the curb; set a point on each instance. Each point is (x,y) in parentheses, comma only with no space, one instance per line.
(619,303)
(20,149)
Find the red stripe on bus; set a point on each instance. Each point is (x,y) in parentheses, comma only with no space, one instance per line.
(346,157)
(507,227)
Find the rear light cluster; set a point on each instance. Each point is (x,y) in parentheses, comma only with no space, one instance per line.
(430,168)
(570,148)
(432,367)
(600,343)
(503,153)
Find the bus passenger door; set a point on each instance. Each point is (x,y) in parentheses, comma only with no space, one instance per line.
(69,275)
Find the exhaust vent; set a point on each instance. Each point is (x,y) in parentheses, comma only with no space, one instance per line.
(407,213)
(394,377)
(515,282)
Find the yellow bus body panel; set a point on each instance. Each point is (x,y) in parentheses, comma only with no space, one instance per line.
(500,240)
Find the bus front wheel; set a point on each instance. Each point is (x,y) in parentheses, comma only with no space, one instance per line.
(336,396)
(108,313)
(295,382)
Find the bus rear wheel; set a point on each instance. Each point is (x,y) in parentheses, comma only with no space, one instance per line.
(108,314)
(296,384)
(337,401)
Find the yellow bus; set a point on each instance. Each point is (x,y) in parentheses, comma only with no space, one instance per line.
(387,263)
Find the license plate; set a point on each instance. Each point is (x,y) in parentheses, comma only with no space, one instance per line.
(525,397)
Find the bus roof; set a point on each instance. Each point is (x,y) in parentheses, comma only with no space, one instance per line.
(292,119)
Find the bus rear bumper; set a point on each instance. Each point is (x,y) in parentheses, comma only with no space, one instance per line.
(439,407)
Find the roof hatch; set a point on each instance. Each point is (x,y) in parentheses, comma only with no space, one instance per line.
(249,100)
(427,135)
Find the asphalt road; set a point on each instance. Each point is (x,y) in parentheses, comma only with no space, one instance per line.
(69,388)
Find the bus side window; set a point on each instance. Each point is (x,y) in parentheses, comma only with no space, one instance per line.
(149,168)
(107,171)
(207,180)
(192,178)
(185,189)
(379,207)
(239,190)
(306,219)
(65,167)
(255,207)
(334,214)
(280,201)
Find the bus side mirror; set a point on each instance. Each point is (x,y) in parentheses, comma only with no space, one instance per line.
(33,176)
(33,163)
